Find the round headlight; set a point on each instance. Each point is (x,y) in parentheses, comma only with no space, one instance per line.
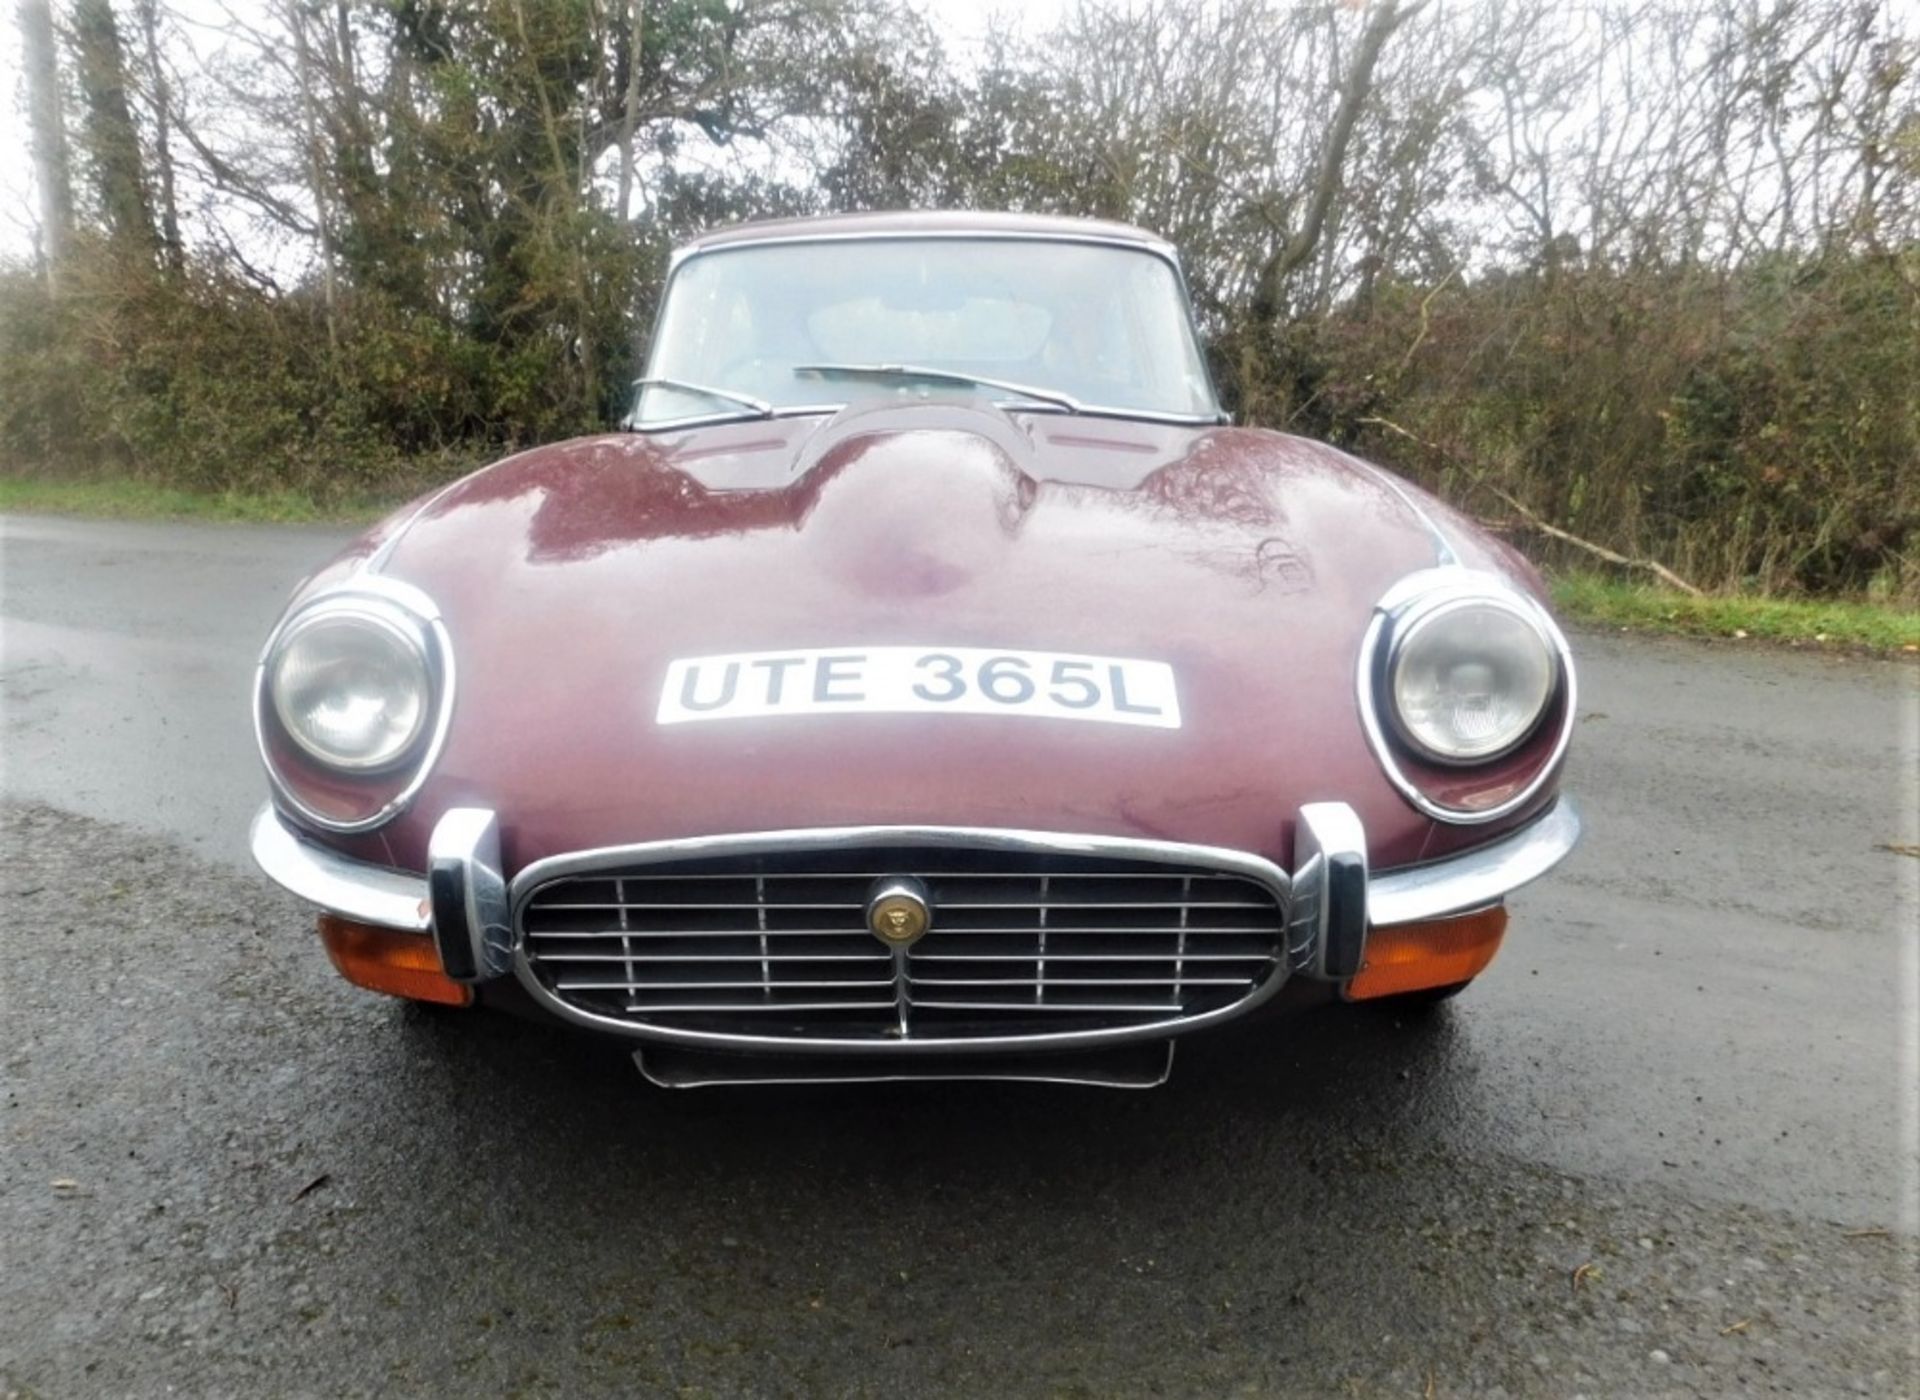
(351,686)
(1470,679)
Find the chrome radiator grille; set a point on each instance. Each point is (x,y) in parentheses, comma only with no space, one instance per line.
(1023,942)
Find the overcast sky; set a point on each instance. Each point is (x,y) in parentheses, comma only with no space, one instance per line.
(964,21)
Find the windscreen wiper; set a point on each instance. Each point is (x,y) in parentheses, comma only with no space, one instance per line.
(758,406)
(939,376)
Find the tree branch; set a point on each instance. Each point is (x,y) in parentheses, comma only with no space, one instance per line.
(1535,521)
(228,178)
(1293,254)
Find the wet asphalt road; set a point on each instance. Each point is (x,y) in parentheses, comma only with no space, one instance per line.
(224,1172)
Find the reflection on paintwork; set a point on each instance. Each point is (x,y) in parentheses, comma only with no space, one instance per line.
(1228,555)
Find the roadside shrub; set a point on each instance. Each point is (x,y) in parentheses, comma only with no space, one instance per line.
(1755,430)
(1759,430)
(202,382)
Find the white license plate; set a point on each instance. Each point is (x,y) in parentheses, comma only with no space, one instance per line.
(921,680)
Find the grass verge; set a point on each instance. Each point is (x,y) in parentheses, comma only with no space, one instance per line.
(1592,598)
(125,499)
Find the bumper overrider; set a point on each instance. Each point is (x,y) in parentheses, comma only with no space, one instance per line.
(464,923)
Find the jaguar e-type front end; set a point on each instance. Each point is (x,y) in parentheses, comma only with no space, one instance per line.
(952,727)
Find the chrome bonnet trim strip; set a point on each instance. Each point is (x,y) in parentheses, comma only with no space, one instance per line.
(353,889)
(1252,867)
(1478,877)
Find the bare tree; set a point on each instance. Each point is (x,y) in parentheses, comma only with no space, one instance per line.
(1388,15)
(319,184)
(160,97)
(112,139)
(630,104)
(50,173)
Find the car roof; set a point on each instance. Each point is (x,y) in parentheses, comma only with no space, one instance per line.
(924,224)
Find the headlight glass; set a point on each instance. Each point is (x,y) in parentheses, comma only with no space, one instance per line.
(351,687)
(1470,679)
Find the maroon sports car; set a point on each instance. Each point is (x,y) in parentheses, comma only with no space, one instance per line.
(927,680)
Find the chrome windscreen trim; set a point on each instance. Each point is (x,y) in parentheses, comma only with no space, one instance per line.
(440,668)
(353,889)
(691,421)
(1433,587)
(817,410)
(1158,248)
(1475,878)
(1129,415)
(1276,880)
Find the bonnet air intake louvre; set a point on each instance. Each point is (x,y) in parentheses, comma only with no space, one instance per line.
(775,945)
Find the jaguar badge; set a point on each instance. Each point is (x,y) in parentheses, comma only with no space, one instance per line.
(899,911)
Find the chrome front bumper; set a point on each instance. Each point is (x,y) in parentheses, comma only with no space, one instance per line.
(463,901)
(353,889)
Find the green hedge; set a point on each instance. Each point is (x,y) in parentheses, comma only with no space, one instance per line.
(1757,431)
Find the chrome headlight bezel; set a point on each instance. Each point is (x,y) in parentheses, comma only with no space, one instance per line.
(391,780)
(1431,593)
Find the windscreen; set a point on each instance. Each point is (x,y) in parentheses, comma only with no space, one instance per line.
(1105,326)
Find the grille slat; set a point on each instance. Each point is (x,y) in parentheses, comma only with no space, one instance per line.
(1068,904)
(774,906)
(1058,957)
(1239,930)
(709,904)
(569,984)
(750,934)
(1023,942)
(1110,1008)
(757,1007)
(932,873)
(722,957)
(1072,981)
